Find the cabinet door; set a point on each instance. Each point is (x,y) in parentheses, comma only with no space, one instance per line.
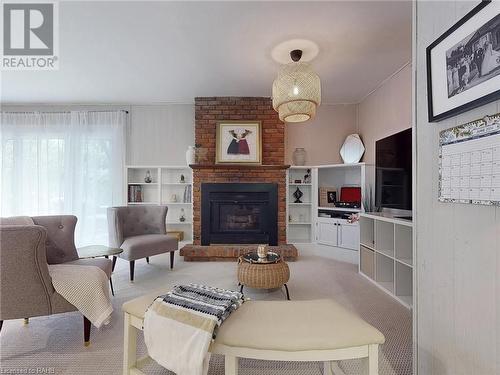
(349,235)
(327,233)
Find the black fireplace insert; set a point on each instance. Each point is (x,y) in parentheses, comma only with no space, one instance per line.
(239,213)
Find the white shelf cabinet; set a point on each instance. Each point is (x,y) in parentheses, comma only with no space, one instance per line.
(386,254)
(166,188)
(304,225)
(337,232)
(300,218)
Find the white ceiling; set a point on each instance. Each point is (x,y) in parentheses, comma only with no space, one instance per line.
(149,52)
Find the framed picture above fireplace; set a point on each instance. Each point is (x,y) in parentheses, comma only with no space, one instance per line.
(239,142)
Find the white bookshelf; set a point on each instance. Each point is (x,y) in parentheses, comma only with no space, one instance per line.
(386,254)
(300,216)
(167,189)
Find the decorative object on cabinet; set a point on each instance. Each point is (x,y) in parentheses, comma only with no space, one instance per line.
(147,178)
(327,196)
(351,195)
(182,179)
(239,142)
(352,150)
(299,156)
(173,198)
(463,65)
(307,176)
(182,216)
(297,90)
(297,195)
(191,155)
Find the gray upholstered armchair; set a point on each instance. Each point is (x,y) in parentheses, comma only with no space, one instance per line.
(27,245)
(141,232)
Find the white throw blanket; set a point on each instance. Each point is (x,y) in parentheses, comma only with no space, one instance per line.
(85,287)
(179,326)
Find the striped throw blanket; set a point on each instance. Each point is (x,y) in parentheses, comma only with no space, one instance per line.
(179,326)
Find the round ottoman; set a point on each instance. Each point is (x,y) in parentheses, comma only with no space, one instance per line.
(263,276)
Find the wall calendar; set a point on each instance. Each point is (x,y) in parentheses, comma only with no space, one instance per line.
(469,162)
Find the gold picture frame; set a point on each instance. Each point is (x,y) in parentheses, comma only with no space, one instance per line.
(238,142)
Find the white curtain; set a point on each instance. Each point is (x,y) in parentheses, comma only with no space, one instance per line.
(63,163)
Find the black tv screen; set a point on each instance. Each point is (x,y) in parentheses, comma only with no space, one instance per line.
(393,182)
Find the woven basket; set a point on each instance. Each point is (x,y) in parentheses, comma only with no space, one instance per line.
(263,276)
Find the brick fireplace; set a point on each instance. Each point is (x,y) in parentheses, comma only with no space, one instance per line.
(210,110)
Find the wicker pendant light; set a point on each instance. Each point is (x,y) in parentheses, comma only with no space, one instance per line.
(296,91)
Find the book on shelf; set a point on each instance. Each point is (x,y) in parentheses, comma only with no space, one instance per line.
(187,194)
(135,193)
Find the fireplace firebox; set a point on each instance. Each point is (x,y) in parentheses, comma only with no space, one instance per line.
(239,213)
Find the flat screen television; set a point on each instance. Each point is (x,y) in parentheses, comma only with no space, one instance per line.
(393,169)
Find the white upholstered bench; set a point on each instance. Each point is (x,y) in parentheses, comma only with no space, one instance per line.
(317,330)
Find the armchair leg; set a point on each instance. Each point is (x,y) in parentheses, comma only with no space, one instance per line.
(132,264)
(114,262)
(1,324)
(172,259)
(86,331)
(147,259)
(111,285)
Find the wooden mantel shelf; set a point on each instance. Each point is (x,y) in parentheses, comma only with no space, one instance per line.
(240,166)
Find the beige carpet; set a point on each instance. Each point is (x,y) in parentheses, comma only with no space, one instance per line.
(54,345)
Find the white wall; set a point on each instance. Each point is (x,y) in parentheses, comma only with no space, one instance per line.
(458,246)
(160,134)
(323,136)
(157,134)
(385,111)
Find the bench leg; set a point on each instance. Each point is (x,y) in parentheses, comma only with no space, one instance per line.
(231,365)
(327,368)
(129,346)
(373,359)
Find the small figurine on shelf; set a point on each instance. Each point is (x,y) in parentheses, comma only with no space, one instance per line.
(148,178)
(182,180)
(182,216)
(298,194)
(307,177)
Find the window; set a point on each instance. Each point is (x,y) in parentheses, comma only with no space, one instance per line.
(63,163)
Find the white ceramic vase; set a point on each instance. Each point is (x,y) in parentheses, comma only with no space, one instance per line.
(299,156)
(191,155)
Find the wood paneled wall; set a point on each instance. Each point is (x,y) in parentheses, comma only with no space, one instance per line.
(458,246)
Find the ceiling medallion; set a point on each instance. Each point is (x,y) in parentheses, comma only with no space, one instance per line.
(296,90)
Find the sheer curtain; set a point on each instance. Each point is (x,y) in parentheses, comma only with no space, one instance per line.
(63,163)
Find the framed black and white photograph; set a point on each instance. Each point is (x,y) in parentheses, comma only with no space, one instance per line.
(463,64)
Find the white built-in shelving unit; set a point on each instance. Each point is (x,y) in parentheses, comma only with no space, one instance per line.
(300,216)
(306,221)
(386,254)
(165,188)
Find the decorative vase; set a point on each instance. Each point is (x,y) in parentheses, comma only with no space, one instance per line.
(191,155)
(299,156)
(147,178)
(297,195)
